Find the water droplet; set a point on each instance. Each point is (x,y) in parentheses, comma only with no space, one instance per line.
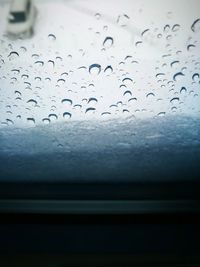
(95,69)
(67,101)
(35,56)
(13,55)
(51,62)
(67,115)
(174,63)
(166,28)
(31,121)
(150,95)
(46,121)
(128,92)
(32,101)
(138,43)
(176,27)
(18,93)
(64,74)
(53,116)
(127,80)
(178,75)
(15,71)
(183,90)
(159,75)
(25,76)
(105,28)
(123,20)
(133,99)
(23,49)
(105,113)
(93,100)
(145,31)
(9,122)
(38,79)
(39,62)
(174,100)
(190,47)
(108,69)
(195,77)
(161,114)
(89,110)
(52,37)
(98,16)
(61,81)
(196,25)
(108,42)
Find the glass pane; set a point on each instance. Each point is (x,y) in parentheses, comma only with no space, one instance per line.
(104,90)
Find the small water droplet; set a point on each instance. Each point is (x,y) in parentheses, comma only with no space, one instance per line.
(150,95)
(108,42)
(108,69)
(95,69)
(183,90)
(92,100)
(176,27)
(128,92)
(196,25)
(166,28)
(174,100)
(31,121)
(177,76)
(13,55)
(97,16)
(46,121)
(52,37)
(89,110)
(67,115)
(105,114)
(190,47)
(67,101)
(123,20)
(32,102)
(39,63)
(144,32)
(161,114)
(174,63)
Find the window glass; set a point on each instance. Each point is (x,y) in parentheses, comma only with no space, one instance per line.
(100,76)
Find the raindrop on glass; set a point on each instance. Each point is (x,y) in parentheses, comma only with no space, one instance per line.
(95,69)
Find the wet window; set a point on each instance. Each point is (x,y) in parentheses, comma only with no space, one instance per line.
(101,76)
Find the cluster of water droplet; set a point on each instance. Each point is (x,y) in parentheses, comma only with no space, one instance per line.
(41,82)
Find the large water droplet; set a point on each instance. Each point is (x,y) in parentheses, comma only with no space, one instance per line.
(95,69)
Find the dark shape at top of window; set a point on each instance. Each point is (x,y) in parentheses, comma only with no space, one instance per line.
(16,17)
